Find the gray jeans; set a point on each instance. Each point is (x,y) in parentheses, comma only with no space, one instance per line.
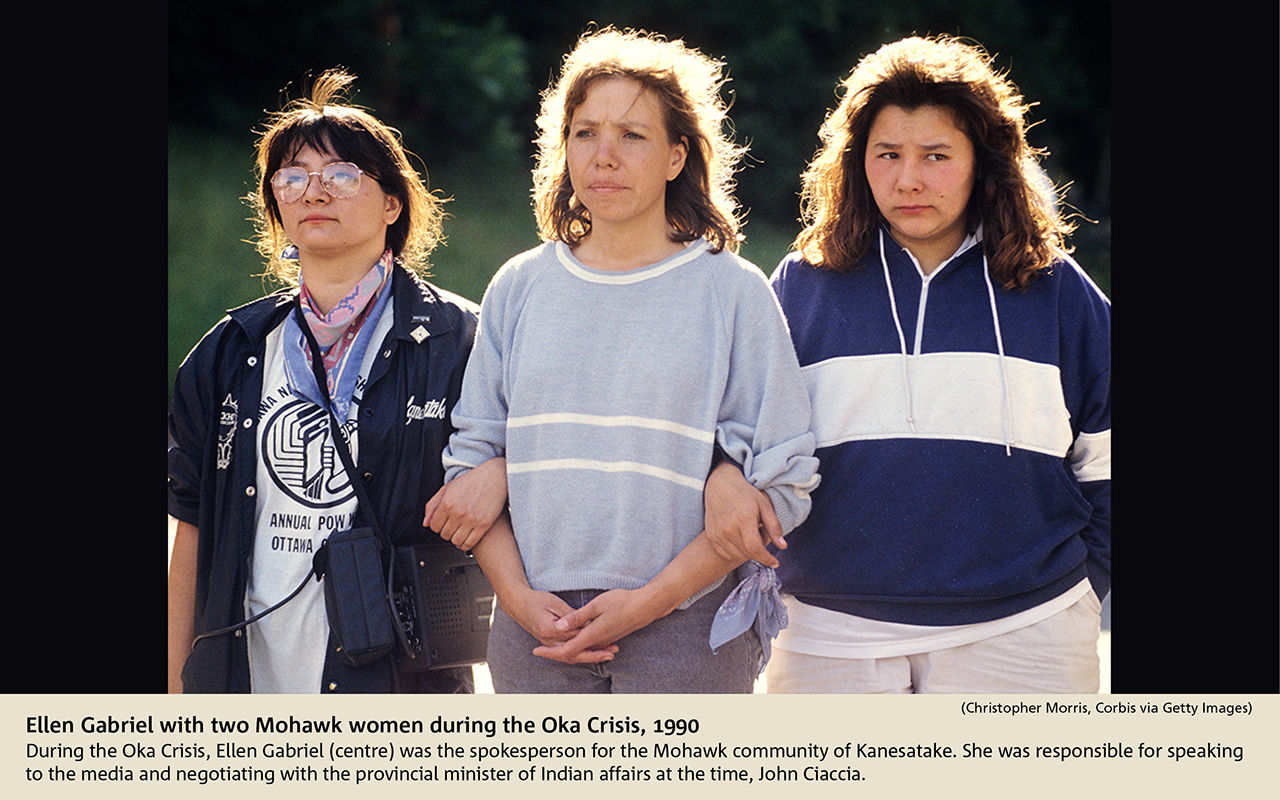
(671,655)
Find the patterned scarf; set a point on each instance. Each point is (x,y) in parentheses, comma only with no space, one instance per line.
(755,602)
(342,335)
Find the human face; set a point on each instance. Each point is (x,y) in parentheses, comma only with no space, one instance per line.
(620,157)
(920,166)
(345,231)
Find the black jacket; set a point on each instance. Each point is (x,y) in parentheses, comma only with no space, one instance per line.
(213,463)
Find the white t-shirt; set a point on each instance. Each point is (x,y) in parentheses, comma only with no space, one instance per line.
(820,631)
(303,495)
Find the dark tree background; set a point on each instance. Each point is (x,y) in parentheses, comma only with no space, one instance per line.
(464,78)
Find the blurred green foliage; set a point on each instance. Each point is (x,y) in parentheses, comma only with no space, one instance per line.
(459,77)
(462,83)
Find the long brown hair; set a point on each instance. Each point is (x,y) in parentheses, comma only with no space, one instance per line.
(1022,229)
(324,122)
(699,201)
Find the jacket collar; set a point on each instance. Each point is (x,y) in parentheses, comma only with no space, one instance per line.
(420,310)
(261,316)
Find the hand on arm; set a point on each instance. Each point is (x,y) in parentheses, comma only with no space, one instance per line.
(466,507)
(739,519)
(182,601)
(537,612)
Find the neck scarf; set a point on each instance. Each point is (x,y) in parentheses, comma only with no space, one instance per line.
(342,335)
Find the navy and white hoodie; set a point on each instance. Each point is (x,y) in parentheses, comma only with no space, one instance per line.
(964,436)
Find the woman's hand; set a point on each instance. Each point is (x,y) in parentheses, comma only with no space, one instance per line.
(539,613)
(596,626)
(551,621)
(608,618)
(465,508)
(739,519)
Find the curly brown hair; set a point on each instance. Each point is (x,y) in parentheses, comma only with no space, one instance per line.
(324,122)
(1022,228)
(699,201)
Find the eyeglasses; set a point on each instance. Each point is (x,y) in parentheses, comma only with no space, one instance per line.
(340,179)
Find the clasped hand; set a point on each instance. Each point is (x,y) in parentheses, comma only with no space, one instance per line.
(567,635)
(587,635)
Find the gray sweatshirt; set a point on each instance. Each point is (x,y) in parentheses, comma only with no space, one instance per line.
(607,393)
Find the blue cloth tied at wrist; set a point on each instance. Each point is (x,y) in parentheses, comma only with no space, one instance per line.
(755,601)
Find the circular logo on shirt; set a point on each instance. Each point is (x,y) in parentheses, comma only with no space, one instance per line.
(298,452)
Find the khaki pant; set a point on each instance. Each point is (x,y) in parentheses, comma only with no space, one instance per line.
(1058,655)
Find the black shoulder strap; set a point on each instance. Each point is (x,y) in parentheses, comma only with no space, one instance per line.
(353,476)
(339,436)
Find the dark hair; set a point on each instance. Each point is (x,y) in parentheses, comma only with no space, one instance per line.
(1022,230)
(323,123)
(699,201)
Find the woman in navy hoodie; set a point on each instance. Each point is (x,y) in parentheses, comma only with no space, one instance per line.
(959,365)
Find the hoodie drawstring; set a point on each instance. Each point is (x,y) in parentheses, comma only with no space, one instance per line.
(1007,411)
(902,340)
(1004,374)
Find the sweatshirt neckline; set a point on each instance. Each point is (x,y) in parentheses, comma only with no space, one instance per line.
(621,278)
(965,246)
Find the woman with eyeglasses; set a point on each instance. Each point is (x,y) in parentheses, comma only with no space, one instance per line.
(615,364)
(254,480)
